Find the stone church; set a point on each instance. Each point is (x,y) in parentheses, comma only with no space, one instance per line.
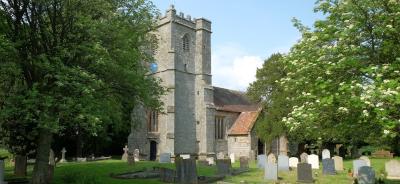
(198,119)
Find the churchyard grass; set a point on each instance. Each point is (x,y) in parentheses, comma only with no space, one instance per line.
(99,173)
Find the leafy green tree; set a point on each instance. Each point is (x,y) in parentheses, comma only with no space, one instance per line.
(344,74)
(73,65)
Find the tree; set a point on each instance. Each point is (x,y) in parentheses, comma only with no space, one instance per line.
(344,74)
(74,65)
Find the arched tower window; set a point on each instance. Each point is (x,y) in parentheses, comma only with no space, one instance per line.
(185,43)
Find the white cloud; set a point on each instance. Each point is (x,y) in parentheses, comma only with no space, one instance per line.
(233,67)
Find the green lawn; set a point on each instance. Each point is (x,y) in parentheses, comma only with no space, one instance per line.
(98,173)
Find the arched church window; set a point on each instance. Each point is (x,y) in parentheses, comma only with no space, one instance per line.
(185,43)
(152,121)
(219,127)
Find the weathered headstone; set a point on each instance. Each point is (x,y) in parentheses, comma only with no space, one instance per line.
(244,162)
(338,163)
(366,159)
(125,155)
(81,159)
(271,171)
(304,173)
(303,158)
(165,158)
(220,155)
(283,163)
(186,170)
(261,159)
(2,170)
(211,161)
(328,166)
(313,160)
(52,164)
(224,167)
(293,161)
(203,162)
(392,169)
(232,157)
(366,175)
(271,158)
(326,154)
(356,165)
(136,155)
(63,151)
(167,175)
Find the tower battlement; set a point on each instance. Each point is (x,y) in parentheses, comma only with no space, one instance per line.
(194,23)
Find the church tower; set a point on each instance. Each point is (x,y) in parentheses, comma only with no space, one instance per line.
(184,65)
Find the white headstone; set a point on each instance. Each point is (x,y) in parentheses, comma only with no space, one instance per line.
(366,159)
(293,161)
(210,160)
(261,160)
(220,155)
(392,169)
(271,158)
(326,154)
(303,158)
(125,155)
(313,160)
(165,158)
(232,157)
(185,156)
(136,155)
(283,163)
(63,151)
(357,164)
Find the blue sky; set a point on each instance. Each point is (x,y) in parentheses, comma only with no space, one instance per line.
(246,32)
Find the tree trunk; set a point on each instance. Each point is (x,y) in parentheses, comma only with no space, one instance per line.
(20,166)
(40,170)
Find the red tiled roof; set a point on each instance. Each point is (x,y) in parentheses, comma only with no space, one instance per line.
(244,123)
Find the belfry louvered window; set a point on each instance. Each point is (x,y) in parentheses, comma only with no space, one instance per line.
(185,43)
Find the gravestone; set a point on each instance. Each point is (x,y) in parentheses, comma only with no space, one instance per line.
(356,165)
(210,161)
(366,159)
(63,151)
(326,154)
(392,169)
(313,160)
(283,163)
(2,170)
(244,162)
(328,166)
(232,157)
(366,175)
(185,156)
(293,161)
(165,158)
(303,158)
(304,173)
(52,164)
(338,163)
(224,166)
(136,155)
(186,170)
(125,155)
(167,175)
(261,159)
(271,171)
(81,159)
(271,158)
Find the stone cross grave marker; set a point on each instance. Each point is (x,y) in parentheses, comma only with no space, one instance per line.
(244,162)
(326,154)
(63,151)
(293,161)
(392,169)
(186,170)
(356,165)
(328,166)
(261,159)
(125,155)
(2,170)
(283,163)
(366,175)
(303,157)
(232,157)
(224,167)
(304,173)
(165,158)
(271,171)
(271,158)
(338,163)
(366,159)
(313,160)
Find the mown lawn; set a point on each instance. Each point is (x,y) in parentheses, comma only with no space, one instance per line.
(99,173)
